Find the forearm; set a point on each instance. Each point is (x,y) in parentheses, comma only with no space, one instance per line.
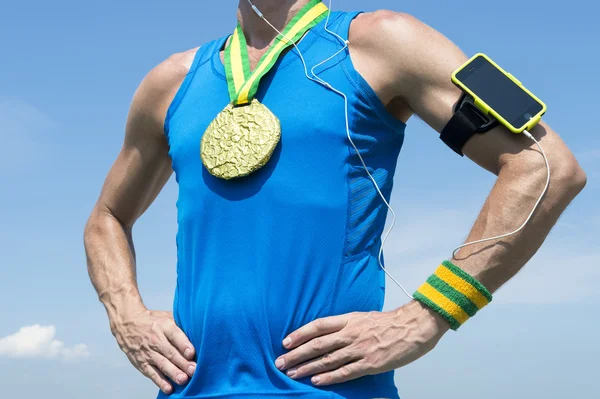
(518,187)
(111,265)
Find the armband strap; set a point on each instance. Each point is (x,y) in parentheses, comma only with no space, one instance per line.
(453,293)
(466,121)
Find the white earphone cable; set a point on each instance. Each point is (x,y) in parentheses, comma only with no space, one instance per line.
(319,80)
(530,136)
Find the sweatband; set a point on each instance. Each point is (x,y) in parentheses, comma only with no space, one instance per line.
(453,293)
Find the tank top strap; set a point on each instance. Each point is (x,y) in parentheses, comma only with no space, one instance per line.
(341,25)
(206,51)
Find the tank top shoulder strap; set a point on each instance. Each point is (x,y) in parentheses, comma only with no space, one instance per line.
(341,25)
(201,57)
(206,51)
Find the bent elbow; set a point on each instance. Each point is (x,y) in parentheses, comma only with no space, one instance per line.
(567,176)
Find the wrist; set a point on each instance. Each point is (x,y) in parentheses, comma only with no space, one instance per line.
(453,294)
(425,317)
(432,318)
(121,304)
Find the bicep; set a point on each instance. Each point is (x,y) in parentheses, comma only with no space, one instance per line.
(140,171)
(143,165)
(425,83)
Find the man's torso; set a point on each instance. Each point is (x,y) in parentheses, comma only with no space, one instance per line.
(294,241)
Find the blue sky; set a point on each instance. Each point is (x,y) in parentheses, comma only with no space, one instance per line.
(68,71)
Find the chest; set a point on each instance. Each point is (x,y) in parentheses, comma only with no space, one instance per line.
(312,117)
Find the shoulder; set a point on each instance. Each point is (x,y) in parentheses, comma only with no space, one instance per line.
(386,47)
(164,79)
(398,34)
(382,28)
(158,88)
(376,25)
(173,69)
(408,54)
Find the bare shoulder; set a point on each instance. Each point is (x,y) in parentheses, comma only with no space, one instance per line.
(405,60)
(156,92)
(388,37)
(381,25)
(172,71)
(163,81)
(383,47)
(402,42)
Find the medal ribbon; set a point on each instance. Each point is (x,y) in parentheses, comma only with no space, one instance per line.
(243,83)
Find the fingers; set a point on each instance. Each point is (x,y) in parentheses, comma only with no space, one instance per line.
(159,349)
(158,378)
(316,328)
(180,341)
(311,350)
(345,373)
(174,353)
(168,369)
(322,364)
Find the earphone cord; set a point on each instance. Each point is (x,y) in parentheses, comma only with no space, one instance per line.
(319,80)
(530,136)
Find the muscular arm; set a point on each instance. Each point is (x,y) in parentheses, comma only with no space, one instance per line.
(409,65)
(137,176)
(151,340)
(414,73)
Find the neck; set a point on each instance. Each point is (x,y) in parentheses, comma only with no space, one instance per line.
(278,12)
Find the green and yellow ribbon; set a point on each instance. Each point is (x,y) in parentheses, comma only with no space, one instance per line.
(242,82)
(453,293)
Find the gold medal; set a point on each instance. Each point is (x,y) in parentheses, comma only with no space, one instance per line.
(244,135)
(240,140)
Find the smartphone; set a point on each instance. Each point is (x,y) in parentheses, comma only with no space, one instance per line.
(498,93)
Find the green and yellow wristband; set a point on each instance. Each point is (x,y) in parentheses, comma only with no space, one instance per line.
(453,293)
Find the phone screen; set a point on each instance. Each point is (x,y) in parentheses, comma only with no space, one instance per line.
(499,92)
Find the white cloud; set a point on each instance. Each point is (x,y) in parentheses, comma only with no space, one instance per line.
(38,342)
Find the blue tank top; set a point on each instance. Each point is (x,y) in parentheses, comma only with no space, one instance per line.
(262,255)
